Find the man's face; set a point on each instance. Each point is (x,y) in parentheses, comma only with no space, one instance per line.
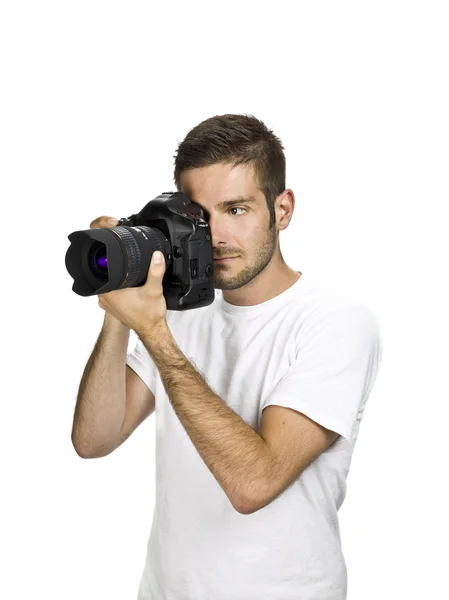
(240,230)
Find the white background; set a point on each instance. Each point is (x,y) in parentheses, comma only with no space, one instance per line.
(95,96)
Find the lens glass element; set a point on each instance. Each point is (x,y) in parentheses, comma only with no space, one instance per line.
(98,260)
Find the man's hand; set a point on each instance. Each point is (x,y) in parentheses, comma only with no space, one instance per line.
(142,307)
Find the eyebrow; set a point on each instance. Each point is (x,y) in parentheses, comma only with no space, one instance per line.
(237,200)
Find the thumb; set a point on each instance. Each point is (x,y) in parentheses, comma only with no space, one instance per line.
(156,272)
(157,264)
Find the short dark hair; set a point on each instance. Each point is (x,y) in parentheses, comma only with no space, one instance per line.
(236,139)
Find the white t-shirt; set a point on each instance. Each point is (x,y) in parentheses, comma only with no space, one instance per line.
(309,349)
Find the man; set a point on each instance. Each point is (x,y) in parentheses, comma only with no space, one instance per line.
(258,396)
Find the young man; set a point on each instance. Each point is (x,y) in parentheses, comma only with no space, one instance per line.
(258,396)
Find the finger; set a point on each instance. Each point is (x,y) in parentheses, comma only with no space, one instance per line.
(158,262)
(103,222)
(155,274)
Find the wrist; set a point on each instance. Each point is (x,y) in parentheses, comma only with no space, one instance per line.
(110,322)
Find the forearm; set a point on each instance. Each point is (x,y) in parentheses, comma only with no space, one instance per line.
(101,400)
(235,454)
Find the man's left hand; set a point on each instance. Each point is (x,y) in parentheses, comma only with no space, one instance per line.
(139,308)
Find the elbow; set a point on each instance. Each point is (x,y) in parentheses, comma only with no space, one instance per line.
(251,503)
(256,492)
(246,510)
(249,507)
(84,452)
(80,450)
(81,453)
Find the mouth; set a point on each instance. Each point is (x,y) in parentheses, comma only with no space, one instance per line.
(224,260)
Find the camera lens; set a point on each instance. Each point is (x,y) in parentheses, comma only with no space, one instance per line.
(102,260)
(98,260)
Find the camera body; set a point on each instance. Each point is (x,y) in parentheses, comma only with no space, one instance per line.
(102,260)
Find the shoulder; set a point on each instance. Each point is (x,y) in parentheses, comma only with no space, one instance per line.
(333,319)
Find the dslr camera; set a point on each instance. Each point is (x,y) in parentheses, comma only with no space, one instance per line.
(102,260)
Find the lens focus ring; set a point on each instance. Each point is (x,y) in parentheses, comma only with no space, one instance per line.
(133,251)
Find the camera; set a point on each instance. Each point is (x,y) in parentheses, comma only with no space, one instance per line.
(102,260)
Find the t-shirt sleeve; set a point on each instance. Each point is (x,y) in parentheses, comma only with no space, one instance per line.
(336,365)
(141,362)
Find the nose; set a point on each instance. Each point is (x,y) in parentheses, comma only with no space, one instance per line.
(219,233)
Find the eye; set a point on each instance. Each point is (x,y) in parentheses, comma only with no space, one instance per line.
(236,207)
